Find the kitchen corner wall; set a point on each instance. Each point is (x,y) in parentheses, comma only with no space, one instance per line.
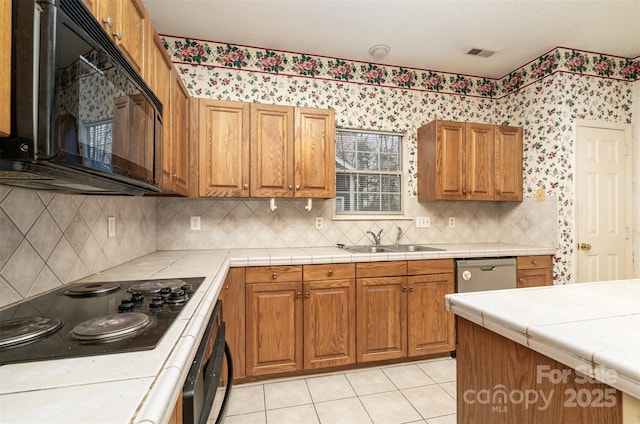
(47,240)
(545,97)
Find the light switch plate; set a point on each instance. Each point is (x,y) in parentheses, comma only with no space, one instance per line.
(541,195)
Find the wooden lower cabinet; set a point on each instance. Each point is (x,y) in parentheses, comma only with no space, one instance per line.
(404,315)
(382,318)
(274,327)
(534,271)
(329,318)
(232,295)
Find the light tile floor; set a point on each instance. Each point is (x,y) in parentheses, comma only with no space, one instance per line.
(417,392)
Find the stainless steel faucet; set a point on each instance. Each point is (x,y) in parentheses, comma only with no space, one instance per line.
(376,238)
(399,236)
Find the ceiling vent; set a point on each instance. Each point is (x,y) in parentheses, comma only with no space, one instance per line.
(480,52)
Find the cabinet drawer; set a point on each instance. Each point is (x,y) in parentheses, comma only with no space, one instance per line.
(534,262)
(430,266)
(328,272)
(269,274)
(381,269)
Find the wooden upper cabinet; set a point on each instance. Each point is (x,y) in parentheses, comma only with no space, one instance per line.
(256,150)
(509,163)
(5,68)
(479,162)
(126,22)
(469,161)
(179,147)
(272,171)
(223,146)
(315,153)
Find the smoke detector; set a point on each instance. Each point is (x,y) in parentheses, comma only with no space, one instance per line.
(480,52)
(379,51)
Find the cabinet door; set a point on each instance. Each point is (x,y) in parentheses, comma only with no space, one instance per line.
(381,318)
(274,328)
(180,146)
(430,325)
(130,31)
(534,271)
(508,163)
(233,312)
(480,162)
(450,163)
(315,170)
(272,173)
(223,148)
(329,323)
(5,69)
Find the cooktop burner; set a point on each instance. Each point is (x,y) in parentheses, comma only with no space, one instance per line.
(93,319)
(110,326)
(23,330)
(92,289)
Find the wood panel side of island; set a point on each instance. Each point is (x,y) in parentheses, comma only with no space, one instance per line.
(501,381)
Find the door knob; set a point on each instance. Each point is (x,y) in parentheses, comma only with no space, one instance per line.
(584,246)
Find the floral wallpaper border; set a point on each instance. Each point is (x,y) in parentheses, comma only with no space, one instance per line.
(270,61)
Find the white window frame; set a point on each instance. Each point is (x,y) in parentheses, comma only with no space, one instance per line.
(403,214)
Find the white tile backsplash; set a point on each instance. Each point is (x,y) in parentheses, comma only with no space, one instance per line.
(47,240)
(53,239)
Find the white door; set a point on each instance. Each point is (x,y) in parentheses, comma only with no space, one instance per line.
(603,201)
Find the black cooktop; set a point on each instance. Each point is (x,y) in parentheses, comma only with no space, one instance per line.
(93,319)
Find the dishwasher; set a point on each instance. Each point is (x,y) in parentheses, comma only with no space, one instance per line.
(485,274)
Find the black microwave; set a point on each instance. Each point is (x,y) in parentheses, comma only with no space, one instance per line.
(83,120)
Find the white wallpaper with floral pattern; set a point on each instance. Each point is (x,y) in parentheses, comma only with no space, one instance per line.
(544,96)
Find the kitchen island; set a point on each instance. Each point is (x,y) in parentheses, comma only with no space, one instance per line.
(143,387)
(549,354)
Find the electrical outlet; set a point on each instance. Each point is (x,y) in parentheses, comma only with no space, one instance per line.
(423,221)
(452,222)
(541,195)
(195,223)
(111,226)
(319,222)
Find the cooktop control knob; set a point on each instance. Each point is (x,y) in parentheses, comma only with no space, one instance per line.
(126,305)
(137,298)
(187,288)
(156,303)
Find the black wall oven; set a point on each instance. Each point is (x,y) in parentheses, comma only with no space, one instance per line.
(206,391)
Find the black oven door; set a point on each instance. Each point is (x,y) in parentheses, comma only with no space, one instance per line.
(206,392)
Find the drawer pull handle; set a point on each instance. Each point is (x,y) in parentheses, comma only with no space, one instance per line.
(274,275)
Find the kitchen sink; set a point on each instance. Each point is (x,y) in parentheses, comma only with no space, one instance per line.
(391,248)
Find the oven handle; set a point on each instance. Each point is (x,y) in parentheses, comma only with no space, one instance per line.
(212,377)
(227,392)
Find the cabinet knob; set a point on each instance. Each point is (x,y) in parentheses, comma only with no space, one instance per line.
(290,187)
(411,288)
(174,177)
(307,294)
(274,275)
(118,35)
(299,295)
(404,288)
(464,191)
(534,262)
(330,273)
(245,186)
(108,21)
(297,186)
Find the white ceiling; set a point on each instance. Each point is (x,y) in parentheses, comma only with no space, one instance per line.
(424,34)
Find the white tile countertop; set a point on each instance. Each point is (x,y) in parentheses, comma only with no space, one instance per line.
(142,387)
(591,327)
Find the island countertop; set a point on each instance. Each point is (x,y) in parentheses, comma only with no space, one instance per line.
(142,387)
(593,328)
